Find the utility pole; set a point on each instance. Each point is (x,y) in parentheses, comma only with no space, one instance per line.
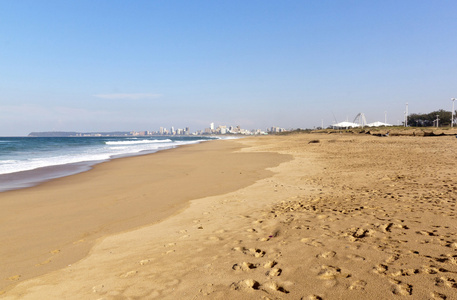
(437,120)
(452,118)
(406,115)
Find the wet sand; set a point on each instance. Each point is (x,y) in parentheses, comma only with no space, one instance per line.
(348,217)
(49,226)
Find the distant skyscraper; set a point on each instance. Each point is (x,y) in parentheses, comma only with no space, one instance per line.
(211,126)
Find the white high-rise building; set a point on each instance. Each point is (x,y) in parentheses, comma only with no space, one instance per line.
(211,126)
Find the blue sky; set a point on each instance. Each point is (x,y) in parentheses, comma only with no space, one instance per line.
(110,65)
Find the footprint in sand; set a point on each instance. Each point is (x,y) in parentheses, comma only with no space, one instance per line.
(244,266)
(247,284)
(275,287)
(452,259)
(438,296)
(430,269)
(327,255)
(270,264)
(387,227)
(355,257)
(405,272)
(256,252)
(316,244)
(392,258)
(446,282)
(128,274)
(98,288)
(43,263)
(239,249)
(329,272)
(358,285)
(145,261)
(381,269)
(252,251)
(450,244)
(401,288)
(312,242)
(207,289)
(14,278)
(424,232)
(274,272)
(356,234)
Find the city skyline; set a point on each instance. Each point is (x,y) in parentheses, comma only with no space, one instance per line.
(111,65)
(170,131)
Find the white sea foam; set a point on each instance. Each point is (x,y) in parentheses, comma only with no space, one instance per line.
(107,151)
(133,142)
(35,163)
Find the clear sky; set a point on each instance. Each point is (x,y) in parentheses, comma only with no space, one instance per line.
(110,65)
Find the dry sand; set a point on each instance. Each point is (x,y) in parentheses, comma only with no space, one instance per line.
(349,217)
(55,224)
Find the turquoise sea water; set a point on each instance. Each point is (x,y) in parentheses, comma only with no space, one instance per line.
(25,161)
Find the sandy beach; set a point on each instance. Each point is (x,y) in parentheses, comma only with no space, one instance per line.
(304,216)
(56,223)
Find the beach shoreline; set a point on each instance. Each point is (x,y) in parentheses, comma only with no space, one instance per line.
(334,216)
(55,223)
(31,177)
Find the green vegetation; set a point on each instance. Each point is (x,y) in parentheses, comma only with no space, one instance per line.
(429,120)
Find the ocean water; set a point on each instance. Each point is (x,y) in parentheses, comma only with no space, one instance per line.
(26,161)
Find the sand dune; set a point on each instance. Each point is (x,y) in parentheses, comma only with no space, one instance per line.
(349,217)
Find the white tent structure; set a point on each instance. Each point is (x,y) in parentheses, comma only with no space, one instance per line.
(359,121)
(378,124)
(345,125)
